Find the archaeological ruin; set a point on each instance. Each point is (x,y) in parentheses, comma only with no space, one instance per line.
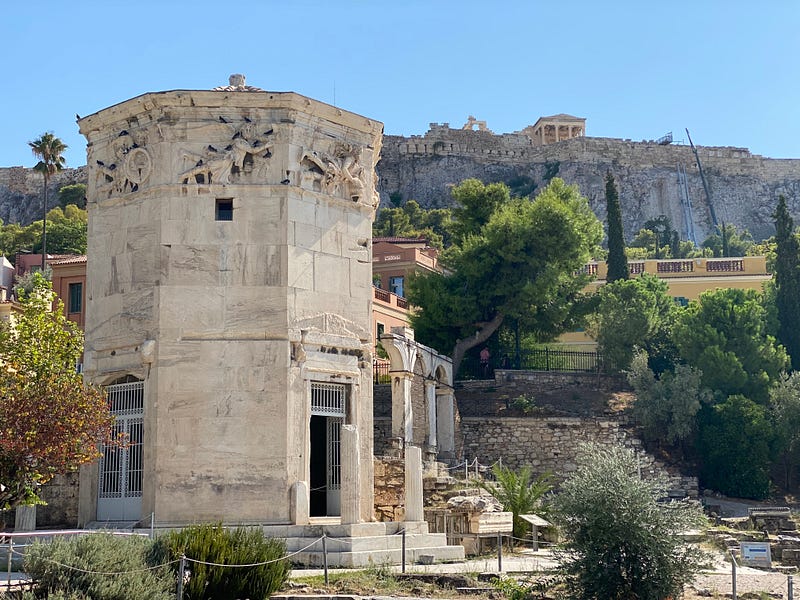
(228,306)
(228,317)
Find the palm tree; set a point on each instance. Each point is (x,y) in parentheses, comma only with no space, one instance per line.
(49,150)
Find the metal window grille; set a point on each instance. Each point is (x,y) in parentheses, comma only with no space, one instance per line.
(121,468)
(334,478)
(126,398)
(328,399)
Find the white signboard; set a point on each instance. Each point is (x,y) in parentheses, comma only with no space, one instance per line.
(756,554)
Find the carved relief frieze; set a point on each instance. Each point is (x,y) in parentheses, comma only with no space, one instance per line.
(128,167)
(337,173)
(243,159)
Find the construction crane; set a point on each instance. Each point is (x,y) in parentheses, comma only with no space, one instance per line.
(686,202)
(705,185)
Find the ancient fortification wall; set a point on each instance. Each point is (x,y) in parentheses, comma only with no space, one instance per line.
(744,187)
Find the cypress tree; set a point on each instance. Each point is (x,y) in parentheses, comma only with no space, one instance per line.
(787,282)
(617,261)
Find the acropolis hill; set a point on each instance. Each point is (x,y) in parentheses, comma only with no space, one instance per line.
(744,187)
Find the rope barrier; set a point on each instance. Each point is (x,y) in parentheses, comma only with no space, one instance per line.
(259,564)
(79,570)
(172,562)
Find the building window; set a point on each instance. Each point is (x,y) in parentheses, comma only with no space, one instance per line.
(380,330)
(224,210)
(396,286)
(682,301)
(75,297)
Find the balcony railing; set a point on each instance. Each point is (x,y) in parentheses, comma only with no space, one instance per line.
(382,295)
(725,266)
(636,268)
(675,266)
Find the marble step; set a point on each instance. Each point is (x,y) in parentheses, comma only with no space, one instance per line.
(359,544)
(379,557)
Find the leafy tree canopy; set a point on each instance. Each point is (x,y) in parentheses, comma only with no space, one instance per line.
(729,240)
(511,257)
(634,312)
(622,542)
(413,221)
(787,282)
(735,446)
(785,416)
(66,233)
(72,194)
(667,408)
(50,423)
(724,334)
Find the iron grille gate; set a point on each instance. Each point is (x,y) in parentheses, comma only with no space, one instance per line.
(330,400)
(120,486)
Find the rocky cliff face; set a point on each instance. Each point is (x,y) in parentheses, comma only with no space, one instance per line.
(744,187)
(21,192)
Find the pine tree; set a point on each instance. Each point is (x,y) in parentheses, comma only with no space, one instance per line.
(787,282)
(617,262)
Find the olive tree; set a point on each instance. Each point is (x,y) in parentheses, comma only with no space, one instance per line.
(621,540)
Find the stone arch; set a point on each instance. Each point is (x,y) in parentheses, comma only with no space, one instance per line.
(423,405)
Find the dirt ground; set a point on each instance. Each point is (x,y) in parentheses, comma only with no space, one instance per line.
(749,583)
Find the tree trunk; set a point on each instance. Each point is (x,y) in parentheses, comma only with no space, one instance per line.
(483,334)
(44,227)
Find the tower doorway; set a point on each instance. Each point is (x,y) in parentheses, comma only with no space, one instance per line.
(328,411)
(119,493)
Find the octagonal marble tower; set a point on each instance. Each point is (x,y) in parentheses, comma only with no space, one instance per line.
(228,306)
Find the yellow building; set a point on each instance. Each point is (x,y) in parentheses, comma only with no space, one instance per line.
(687,278)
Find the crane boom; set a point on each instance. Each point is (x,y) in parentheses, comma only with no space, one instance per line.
(703,179)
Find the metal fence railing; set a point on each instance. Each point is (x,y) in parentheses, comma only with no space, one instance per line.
(544,359)
(380,371)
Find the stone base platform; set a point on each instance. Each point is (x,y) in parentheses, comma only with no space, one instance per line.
(355,545)
(363,544)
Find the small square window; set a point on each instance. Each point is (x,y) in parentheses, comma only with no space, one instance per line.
(224,210)
(75,297)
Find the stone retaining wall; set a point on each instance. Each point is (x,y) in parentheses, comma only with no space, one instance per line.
(550,444)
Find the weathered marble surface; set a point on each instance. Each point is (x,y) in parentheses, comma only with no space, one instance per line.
(229,321)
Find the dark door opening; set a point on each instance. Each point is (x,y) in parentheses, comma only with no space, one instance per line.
(318,504)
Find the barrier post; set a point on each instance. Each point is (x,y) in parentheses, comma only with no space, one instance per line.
(499,552)
(790,587)
(10,552)
(325,556)
(152,525)
(181,575)
(403,552)
(733,576)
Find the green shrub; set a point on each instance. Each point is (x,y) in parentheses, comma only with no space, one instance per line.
(55,595)
(212,543)
(519,493)
(58,567)
(526,404)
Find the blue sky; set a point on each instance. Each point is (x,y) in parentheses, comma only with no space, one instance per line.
(726,69)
